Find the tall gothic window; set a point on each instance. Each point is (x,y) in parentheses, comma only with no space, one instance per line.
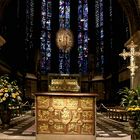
(82,35)
(99,22)
(64,22)
(29,31)
(46,15)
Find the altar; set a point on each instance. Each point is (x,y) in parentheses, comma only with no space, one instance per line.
(65,114)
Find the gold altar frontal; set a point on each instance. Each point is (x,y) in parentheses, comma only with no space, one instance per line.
(69,116)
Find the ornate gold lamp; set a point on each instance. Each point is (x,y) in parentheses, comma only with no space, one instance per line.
(64,39)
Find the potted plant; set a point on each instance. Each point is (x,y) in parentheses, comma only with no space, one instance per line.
(130,99)
(10,96)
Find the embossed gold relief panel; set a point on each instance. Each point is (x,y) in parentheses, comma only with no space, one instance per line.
(87,116)
(87,128)
(72,103)
(43,114)
(58,103)
(43,127)
(69,115)
(86,103)
(43,101)
(58,128)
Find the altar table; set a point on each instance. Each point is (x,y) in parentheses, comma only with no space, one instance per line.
(70,116)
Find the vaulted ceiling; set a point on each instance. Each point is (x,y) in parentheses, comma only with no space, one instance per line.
(3,4)
(132,10)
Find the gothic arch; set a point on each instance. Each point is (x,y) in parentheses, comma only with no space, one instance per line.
(132,10)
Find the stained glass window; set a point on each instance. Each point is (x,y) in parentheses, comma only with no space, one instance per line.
(29,30)
(83,35)
(80,12)
(46,15)
(99,22)
(64,22)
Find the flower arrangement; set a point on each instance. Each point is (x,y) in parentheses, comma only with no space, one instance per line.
(134,109)
(131,101)
(10,94)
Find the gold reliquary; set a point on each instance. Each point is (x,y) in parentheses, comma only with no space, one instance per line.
(63,83)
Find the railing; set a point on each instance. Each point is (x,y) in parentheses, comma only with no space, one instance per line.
(115,112)
(118,113)
(16,111)
(19,110)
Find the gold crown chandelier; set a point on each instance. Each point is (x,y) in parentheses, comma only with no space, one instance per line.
(64,39)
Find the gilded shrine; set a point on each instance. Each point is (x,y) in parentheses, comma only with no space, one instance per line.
(64,82)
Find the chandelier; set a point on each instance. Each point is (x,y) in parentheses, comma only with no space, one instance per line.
(64,39)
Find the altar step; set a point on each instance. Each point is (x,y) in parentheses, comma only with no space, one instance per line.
(108,129)
(23,128)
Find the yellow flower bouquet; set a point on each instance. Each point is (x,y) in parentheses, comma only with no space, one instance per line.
(10,94)
(134,112)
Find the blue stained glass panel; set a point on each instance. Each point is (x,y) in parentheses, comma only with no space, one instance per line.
(100,35)
(49,9)
(48,24)
(64,22)
(83,35)
(46,15)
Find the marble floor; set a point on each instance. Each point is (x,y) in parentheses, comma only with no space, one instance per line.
(23,128)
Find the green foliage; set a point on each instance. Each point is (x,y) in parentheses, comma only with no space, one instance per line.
(130,97)
(131,101)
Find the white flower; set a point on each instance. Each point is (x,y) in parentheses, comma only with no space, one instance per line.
(6,95)
(19,98)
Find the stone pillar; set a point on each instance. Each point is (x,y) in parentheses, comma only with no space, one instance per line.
(139,4)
